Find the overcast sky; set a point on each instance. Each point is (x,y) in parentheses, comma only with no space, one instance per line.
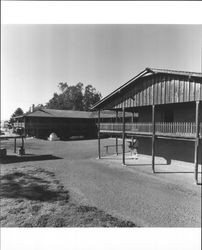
(35,58)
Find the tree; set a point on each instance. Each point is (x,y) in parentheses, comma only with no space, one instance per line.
(91,96)
(74,97)
(17,112)
(62,86)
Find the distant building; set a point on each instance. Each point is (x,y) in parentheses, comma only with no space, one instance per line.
(64,123)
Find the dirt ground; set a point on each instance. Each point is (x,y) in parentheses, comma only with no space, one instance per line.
(32,196)
(62,184)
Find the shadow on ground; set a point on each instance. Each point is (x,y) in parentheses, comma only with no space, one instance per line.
(175,172)
(144,164)
(37,199)
(27,186)
(28,157)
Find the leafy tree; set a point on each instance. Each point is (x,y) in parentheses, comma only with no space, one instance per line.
(62,86)
(91,96)
(17,112)
(74,97)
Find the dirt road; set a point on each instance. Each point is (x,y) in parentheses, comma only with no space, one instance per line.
(133,192)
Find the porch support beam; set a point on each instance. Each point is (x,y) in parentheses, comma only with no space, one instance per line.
(116,135)
(196,151)
(15,145)
(99,154)
(153,138)
(123,137)
(25,132)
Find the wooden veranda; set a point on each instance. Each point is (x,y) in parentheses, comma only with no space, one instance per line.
(154,88)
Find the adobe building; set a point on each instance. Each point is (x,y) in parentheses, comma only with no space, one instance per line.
(169,108)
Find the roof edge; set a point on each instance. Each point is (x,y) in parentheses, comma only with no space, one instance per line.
(145,71)
(142,73)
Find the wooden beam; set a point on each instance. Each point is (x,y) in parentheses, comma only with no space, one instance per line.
(25,126)
(196,151)
(116,135)
(123,137)
(23,144)
(153,138)
(99,154)
(15,145)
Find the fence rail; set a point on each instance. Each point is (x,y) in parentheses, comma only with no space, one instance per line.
(187,129)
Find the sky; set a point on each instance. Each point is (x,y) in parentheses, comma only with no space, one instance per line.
(36,57)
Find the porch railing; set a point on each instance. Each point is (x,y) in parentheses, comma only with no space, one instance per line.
(187,129)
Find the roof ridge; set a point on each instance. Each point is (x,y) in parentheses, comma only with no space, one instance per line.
(172,70)
(65,110)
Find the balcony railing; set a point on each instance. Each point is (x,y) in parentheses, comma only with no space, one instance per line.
(185,129)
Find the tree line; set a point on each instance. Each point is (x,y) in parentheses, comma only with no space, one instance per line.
(70,97)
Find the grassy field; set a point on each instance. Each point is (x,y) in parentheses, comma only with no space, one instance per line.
(32,196)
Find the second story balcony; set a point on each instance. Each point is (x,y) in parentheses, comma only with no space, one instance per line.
(173,129)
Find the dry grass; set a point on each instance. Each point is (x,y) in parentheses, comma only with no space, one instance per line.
(33,197)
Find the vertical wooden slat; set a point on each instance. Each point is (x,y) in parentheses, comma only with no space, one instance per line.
(155,90)
(159,89)
(138,95)
(123,137)
(186,91)
(151,92)
(163,90)
(141,96)
(192,90)
(153,138)
(167,90)
(172,90)
(148,94)
(196,151)
(197,90)
(143,93)
(99,155)
(133,98)
(116,135)
(176,89)
(181,90)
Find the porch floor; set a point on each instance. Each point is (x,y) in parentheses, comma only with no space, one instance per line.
(175,172)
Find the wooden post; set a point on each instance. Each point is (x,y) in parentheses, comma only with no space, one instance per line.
(196,151)
(99,155)
(116,135)
(15,145)
(22,142)
(153,138)
(123,137)
(25,126)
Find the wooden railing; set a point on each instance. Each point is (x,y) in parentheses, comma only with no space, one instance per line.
(187,129)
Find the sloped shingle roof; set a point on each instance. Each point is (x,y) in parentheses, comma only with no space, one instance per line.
(72,114)
(60,113)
